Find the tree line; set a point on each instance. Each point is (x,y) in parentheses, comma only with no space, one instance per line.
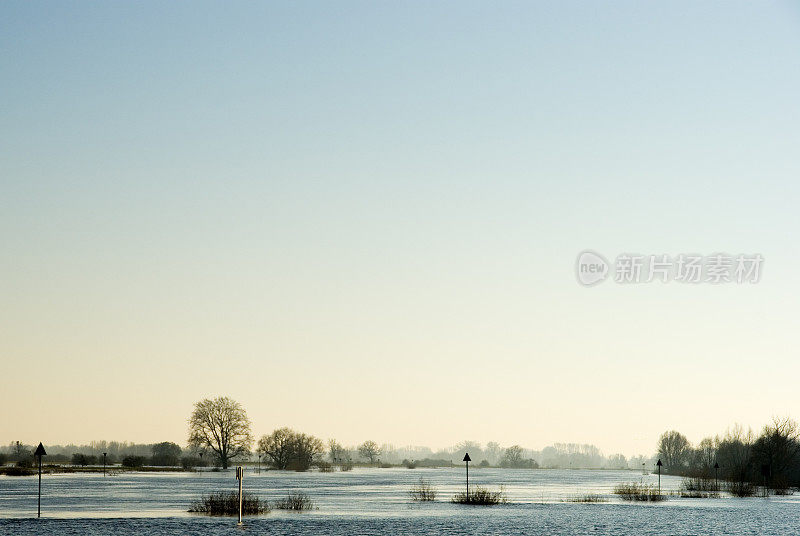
(743,460)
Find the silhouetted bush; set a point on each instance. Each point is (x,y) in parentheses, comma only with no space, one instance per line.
(481,496)
(484,464)
(408,464)
(294,501)
(740,489)
(190,462)
(133,462)
(226,503)
(3,459)
(83,459)
(166,454)
(16,471)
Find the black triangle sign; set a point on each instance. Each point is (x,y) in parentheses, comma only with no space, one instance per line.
(466,458)
(40,451)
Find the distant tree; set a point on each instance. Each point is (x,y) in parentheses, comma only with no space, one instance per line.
(277,447)
(133,462)
(336,452)
(735,455)
(514,457)
(617,461)
(484,463)
(305,450)
(493,451)
(3,459)
(166,454)
(83,459)
(221,425)
(287,449)
(673,449)
(776,450)
(370,451)
(20,451)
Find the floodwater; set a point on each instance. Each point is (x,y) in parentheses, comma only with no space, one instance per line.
(376,502)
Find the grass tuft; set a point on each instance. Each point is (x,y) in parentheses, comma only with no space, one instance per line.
(295,501)
(481,496)
(422,491)
(226,503)
(631,491)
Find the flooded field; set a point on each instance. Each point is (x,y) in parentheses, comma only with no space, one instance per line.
(376,501)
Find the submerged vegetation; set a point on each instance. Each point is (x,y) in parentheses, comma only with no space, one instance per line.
(422,491)
(633,491)
(294,501)
(226,503)
(586,498)
(481,496)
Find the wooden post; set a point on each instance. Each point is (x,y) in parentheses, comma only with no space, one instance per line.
(240,477)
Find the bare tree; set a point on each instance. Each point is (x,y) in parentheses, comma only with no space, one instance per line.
(277,447)
(777,449)
(287,449)
(369,450)
(673,448)
(221,425)
(336,451)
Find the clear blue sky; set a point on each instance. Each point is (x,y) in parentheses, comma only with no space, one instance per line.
(379,205)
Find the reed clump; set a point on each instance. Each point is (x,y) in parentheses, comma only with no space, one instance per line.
(295,501)
(422,491)
(632,491)
(481,496)
(226,503)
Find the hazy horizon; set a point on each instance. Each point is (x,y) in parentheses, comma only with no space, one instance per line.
(361,220)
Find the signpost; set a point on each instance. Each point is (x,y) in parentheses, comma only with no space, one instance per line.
(240,477)
(39,453)
(104,463)
(659,464)
(716,476)
(467,459)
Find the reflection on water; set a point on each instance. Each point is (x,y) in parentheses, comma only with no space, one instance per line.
(375,501)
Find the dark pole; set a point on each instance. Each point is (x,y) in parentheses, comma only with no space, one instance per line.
(104,463)
(467,459)
(39,453)
(659,476)
(716,476)
(39,506)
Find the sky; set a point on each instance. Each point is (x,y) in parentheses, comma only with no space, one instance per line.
(361,219)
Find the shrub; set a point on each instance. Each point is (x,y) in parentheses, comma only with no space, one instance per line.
(226,503)
(632,491)
(422,491)
(741,489)
(699,484)
(295,501)
(190,462)
(16,471)
(408,464)
(133,462)
(83,459)
(3,459)
(481,496)
(484,463)
(25,463)
(346,466)
(324,467)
